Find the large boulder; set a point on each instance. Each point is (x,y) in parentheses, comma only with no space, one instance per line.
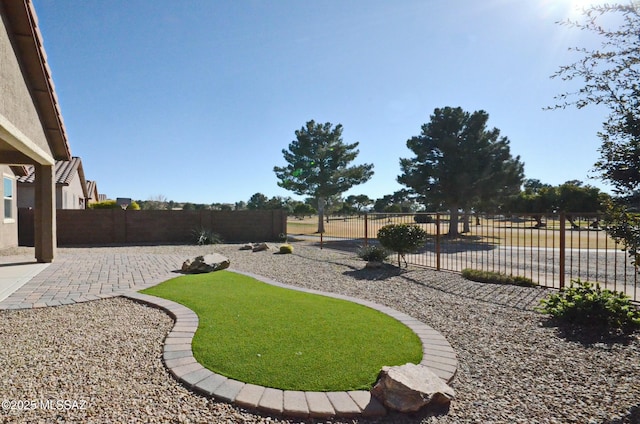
(410,387)
(207,263)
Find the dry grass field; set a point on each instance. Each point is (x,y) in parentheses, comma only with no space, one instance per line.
(511,246)
(504,232)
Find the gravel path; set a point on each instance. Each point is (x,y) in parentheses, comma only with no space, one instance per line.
(104,357)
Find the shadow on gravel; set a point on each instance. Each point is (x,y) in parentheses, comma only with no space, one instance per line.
(459,244)
(349,245)
(447,245)
(408,418)
(510,296)
(383,273)
(392,417)
(633,416)
(520,298)
(588,336)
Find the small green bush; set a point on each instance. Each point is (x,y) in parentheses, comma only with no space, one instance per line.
(286,248)
(203,236)
(496,278)
(586,304)
(402,239)
(111,204)
(373,253)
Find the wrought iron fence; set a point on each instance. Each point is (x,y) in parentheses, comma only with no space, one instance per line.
(551,250)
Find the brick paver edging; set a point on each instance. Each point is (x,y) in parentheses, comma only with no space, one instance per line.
(438,355)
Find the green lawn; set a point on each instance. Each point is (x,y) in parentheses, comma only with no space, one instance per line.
(286,339)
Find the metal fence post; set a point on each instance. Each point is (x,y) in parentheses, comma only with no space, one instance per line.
(563,247)
(366,229)
(438,241)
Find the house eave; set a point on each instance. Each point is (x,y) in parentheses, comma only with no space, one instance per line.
(28,40)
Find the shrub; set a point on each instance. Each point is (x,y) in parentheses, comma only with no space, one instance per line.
(107,204)
(202,236)
(585,304)
(373,253)
(496,278)
(286,248)
(402,239)
(111,204)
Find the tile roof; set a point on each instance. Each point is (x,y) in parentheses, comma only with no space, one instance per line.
(65,171)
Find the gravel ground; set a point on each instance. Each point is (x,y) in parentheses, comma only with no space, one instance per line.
(104,357)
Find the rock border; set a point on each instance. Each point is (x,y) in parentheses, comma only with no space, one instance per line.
(438,355)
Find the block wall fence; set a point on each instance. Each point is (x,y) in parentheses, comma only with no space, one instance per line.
(117,226)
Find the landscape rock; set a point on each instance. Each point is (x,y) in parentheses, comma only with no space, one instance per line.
(410,387)
(259,247)
(207,263)
(247,247)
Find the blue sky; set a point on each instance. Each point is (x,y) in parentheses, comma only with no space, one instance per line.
(194,100)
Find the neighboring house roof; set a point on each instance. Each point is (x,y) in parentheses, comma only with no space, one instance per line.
(24,30)
(65,172)
(92,189)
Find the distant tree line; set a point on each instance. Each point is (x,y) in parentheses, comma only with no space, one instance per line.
(460,166)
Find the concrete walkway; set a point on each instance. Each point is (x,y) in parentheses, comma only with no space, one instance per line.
(14,275)
(91,276)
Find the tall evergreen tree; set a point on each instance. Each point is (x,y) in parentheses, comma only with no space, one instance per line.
(460,164)
(257,201)
(318,165)
(358,202)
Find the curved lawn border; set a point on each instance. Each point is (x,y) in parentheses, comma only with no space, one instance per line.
(438,355)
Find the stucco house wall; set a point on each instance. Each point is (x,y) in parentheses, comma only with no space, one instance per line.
(67,197)
(71,196)
(8,218)
(32,132)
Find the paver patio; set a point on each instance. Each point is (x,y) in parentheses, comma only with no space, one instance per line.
(81,277)
(88,275)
